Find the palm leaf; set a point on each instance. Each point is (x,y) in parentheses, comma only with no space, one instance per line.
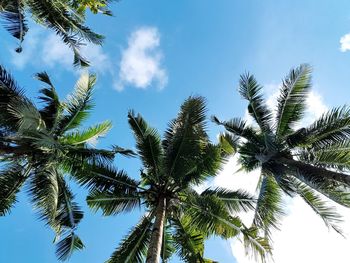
(236,201)
(328,214)
(112,202)
(133,248)
(269,208)
(291,102)
(79,103)
(332,127)
(251,91)
(148,143)
(238,127)
(89,135)
(12,179)
(68,245)
(185,138)
(188,242)
(52,108)
(14,20)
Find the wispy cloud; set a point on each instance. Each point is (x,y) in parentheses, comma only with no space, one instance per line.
(345,43)
(140,65)
(303,236)
(141,62)
(48,50)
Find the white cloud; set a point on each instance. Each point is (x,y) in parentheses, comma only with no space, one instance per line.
(140,64)
(55,52)
(303,236)
(345,43)
(48,50)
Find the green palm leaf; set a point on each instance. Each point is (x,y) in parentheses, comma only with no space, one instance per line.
(251,91)
(78,104)
(269,208)
(14,21)
(89,135)
(12,178)
(133,248)
(113,202)
(68,245)
(148,143)
(291,102)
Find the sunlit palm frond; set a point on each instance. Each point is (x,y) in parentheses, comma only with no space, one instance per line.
(79,104)
(89,135)
(257,108)
(292,99)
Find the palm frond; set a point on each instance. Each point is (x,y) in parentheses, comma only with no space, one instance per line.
(204,166)
(78,104)
(68,245)
(257,108)
(228,143)
(188,242)
(44,191)
(238,127)
(332,127)
(9,91)
(26,115)
(133,248)
(104,177)
(12,178)
(168,248)
(258,246)
(54,14)
(269,209)
(236,201)
(14,21)
(113,201)
(148,143)
(89,135)
(291,102)
(209,215)
(328,214)
(185,138)
(333,156)
(49,97)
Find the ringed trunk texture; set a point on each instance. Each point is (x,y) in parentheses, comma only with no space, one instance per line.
(155,245)
(336,176)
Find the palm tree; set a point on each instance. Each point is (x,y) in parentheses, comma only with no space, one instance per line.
(177,218)
(40,147)
(312,162)
(65,17)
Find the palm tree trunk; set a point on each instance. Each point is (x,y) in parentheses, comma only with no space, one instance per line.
(155,246)
(313,170)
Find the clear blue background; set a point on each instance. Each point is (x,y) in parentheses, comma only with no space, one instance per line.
(206,46)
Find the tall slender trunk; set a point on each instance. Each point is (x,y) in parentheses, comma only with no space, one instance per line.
(155,246)
(336,176)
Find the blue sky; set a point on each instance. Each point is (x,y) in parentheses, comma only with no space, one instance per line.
(155,55)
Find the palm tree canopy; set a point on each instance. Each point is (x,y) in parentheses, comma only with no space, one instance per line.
(184,158)
(65,17)
(311,162)
(39,148)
